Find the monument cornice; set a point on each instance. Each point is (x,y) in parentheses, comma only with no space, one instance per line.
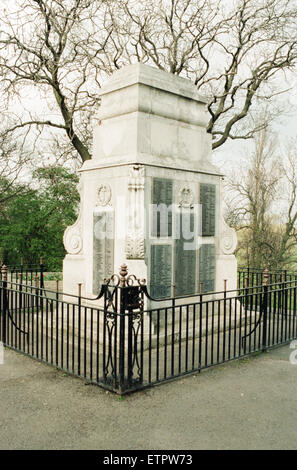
(92,165)
(154,78)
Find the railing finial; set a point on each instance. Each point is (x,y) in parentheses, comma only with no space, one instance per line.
(78,286)
(4,272)
(266,276)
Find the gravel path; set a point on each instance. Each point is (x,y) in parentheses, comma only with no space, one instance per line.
(247,404)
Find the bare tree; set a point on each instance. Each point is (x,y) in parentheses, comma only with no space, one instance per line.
(233,51)
(262,205)
(44,45)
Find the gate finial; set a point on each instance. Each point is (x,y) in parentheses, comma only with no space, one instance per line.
(123,275)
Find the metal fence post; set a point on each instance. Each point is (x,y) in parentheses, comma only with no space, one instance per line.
(41,273)
(246,299)
(200,325)
(21,272)
(79,328)
(225,319)
(265,303)
(123,283)
(129,349)
(20,301)
(4,303)
(283,307)
(286,294)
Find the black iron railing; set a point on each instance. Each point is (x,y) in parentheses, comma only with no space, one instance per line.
(248,277)
(32,274)
(125,340)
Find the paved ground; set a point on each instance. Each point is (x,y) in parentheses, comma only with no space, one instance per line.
(247,404)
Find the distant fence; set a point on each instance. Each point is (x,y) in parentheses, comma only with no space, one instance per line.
(27,274)
(34,275)
(249,277)
(124,347)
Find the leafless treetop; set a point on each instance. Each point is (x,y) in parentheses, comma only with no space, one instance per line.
(232,50)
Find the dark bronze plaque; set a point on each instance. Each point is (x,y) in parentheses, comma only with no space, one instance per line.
(162,195)
(131,297)
(208,201)
(161,271)
(185,258)
(207,267)
(103,247)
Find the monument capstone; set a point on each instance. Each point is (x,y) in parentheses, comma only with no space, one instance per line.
(150,195)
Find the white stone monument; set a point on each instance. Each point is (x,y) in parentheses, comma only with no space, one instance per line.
(151,150)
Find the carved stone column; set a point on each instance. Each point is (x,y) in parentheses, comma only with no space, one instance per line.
(135,228)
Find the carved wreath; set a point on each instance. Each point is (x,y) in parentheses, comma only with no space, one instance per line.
(104,195)
(186,197)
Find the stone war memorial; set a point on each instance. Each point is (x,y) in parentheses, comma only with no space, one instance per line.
(151,197)
(151,204)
